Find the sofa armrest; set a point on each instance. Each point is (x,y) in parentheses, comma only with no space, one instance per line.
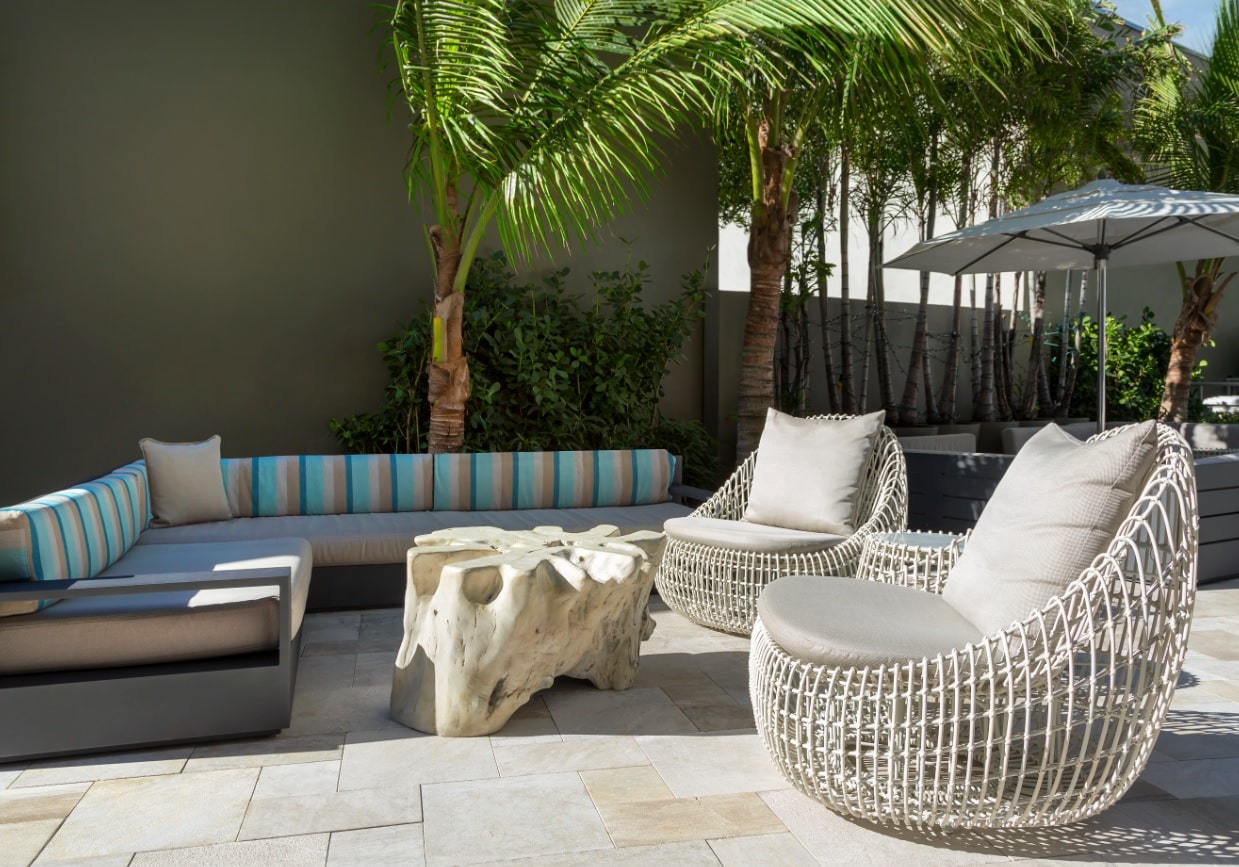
(280,577)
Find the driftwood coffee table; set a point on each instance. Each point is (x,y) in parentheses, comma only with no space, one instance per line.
(492,616)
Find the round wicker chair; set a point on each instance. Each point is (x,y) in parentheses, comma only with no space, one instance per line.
(1045,723)
(718,586)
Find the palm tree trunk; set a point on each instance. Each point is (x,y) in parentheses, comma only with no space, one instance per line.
(847,385)
(1032,388)
(986,409)
(767,255)
(920,337)
(448,373)
(877,301)
(1201,295)
(974,356)
(823,207)
(950,373)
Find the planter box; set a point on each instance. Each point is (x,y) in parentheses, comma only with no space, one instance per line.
(948,490)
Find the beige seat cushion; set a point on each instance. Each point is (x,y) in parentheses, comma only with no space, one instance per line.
(807,471)
(385,537)
(103,631)
(847,623)
(1056,508)
(747,536)
(187,482)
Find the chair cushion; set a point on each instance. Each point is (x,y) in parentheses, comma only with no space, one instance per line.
(187,483)
(847,623)
(747,536)
(807,471)
(328,484)
(1056,508)
(162,626)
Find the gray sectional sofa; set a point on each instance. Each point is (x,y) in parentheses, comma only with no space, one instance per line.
(117,632)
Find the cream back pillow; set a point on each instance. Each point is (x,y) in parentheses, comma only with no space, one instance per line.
(807,471)
(187,483)
(1056,508)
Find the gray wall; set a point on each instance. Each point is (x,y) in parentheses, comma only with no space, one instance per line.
(204,229)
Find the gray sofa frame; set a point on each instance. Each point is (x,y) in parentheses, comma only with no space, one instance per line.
(93,710)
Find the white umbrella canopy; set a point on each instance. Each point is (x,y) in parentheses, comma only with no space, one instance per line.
(1125,224)
(1101,223)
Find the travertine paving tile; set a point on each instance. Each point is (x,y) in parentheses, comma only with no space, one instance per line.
(279,750)
(1227,689)
(679,819)
(337,811)
(21,842)
(305,851)
(531,724)
(694,854)
(515,817)
(715,763)
(406,758)
(120,860)
(625,786)
(1200,778)
(7,777)
(1218,643)
(36,804)
(329,648)
(394,845)
(326,671)
(832,839)
(106,766)
(375,669)
(340,626)
(710,707)
(770,850)
(637,711)
(578,754)
(307,778)
(328,711)
(169,812)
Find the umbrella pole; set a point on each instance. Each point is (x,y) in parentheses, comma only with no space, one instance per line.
(1101,344)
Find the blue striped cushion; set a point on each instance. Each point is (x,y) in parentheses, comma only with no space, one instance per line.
(74,533)
(327,484)
(552,480)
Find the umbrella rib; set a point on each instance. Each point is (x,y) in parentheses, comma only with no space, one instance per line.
(1007,240)
(1195,221)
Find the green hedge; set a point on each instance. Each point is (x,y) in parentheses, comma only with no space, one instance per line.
(548,371)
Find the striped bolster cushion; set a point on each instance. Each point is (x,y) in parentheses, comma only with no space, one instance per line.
(327,484)
(74,533)
(552,480)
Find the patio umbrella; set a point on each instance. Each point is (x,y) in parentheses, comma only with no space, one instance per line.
(1100,224)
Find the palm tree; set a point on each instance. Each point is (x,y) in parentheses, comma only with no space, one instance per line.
(841,68)
(1188,127)
(542,118)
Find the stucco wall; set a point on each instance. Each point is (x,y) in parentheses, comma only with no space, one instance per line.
(204,229)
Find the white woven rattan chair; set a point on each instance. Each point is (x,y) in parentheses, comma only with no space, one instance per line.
(1044,723)
(718,585)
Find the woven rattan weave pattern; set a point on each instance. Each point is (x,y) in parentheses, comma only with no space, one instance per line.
(718,587)
(1045,723)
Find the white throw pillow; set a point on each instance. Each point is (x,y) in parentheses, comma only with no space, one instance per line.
(1056,508)
(187,484)
(807,471)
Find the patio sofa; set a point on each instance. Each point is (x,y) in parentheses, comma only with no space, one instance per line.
(191,632)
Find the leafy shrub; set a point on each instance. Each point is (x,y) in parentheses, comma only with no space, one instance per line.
(547,371)
(1137,357)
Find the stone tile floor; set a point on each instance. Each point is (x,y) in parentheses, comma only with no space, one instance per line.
(669,772)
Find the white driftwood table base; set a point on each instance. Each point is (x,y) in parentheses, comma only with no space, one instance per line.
(493,616)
